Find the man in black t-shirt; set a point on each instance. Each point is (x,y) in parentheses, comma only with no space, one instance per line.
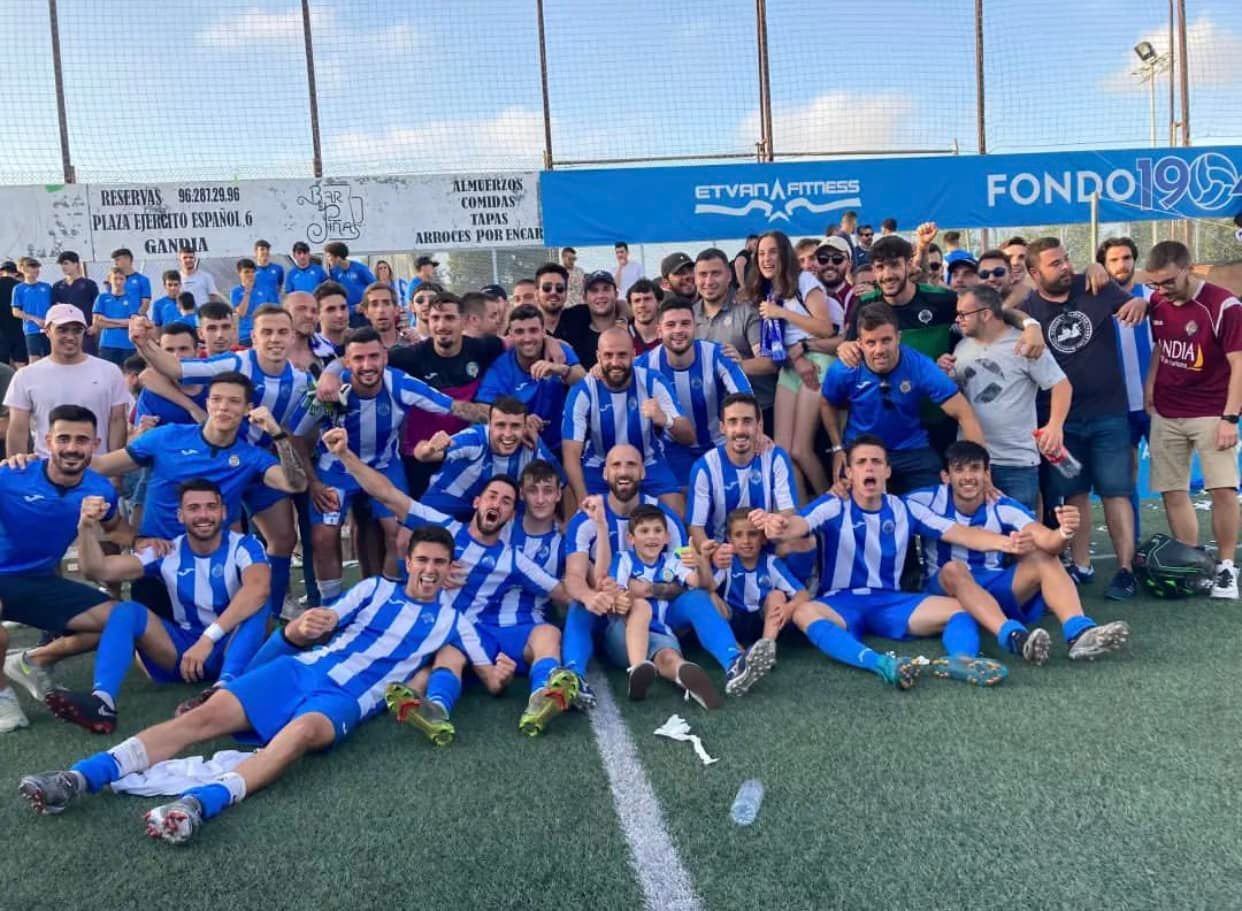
(581,326)
(76,289)
(1078,326)
(451,362)
(12,340)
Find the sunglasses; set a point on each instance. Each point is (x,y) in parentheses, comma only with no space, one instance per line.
(998,272)
(835,259)
(549,288)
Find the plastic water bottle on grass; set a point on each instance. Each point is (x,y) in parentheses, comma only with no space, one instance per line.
(746,804)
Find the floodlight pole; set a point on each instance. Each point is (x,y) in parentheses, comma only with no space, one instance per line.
(312,91)
(66,165)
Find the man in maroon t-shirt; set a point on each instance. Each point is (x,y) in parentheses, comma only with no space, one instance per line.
(1194,393)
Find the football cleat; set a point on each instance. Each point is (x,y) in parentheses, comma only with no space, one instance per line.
(1035,646)
(83,709)
(176,822)
(1095,641)
(901,671)
(50,793)
(749,668)
(969,669)
(194,701)
(33,679)
(549,701)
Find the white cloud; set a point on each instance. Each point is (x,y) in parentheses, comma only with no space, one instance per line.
(260,26)
(397,41)
(512,139)
(1214,51)
(834,122)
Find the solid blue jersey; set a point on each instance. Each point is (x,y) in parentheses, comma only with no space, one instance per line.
(137,289)
(492,570)
(545,398)
(308,279)
(888,405)
(580,535)
(165,310)
(115,306)
(383,637)
(628,565)
(1003,516)
(258,297)
(32,300)
(283,394)
(174,454)
(717,486)
(601,418)
(39,519)
(201,587)
(745,590)
(167,412)
(354,278)
(468,465)
(700,388)
(373,424)
(270,278)
(520,606)
(863,551)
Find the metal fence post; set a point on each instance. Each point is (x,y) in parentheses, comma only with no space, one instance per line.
(766,149)
(312,92)
(543,86)
(66,164)
(980,97)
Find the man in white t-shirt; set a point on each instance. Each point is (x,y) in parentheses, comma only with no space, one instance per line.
(194,280)
(628,270)
(67,376)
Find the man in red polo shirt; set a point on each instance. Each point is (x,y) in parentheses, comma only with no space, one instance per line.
(1194,393)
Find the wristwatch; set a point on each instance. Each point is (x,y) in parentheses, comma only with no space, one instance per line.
(1231,418)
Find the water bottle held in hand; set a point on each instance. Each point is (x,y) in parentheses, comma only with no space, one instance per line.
(746,804)
(1062,460)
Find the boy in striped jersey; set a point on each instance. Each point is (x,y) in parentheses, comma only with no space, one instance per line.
(753,588)
(700,376)
(515,634)
(863,541)
(1015,592)
(378,400)
(471,456)
(295,703)
(217,583)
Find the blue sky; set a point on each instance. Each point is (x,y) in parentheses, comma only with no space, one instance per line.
(180,90)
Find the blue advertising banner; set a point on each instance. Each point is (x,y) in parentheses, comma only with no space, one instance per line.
(599,207)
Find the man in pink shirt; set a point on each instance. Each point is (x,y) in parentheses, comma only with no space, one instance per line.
(1194,393)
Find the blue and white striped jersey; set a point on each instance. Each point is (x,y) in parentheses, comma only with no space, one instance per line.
(1002,517)
(493,571)
(374,424)
(383,637)
(200,587)
(700,388)
(1134,349)
(470,462)
(580,535)
(600,418)
(629,565)
(283,394)
(717,486)
(520,606)
(745,590)
(862,551)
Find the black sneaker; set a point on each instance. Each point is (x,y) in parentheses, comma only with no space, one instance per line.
(83,709)
(1123,587)
(698,686)
(1035,646)
(639,679)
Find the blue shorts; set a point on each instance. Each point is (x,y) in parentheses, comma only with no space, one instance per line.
(38,345)
(1019,482)
(913,469)
(46,601)
(659,480)
(182,640)
(511,640)
(878,613)
(1140,427)
(1102,445)
(259,497)
(348,491)
(614,642)
(276,693)
(999,584)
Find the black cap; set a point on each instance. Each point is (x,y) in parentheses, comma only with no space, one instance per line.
(425,261)
(599,275)
(494,291)
(673,262)
(8,266)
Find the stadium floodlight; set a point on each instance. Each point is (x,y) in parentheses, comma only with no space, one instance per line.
(1146,52)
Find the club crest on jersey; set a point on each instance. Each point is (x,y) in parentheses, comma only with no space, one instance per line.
(488,562)
(925,317)
(764,580)
(234,461)
(905,386)
(472,370)
(381,408)
(217,571)
(696,383)
(888,526)
(666,574)
(1192,327)
(543,553)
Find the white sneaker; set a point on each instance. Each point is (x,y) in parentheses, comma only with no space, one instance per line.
(11,715)
(1226,585)
(33,679)
(291,609)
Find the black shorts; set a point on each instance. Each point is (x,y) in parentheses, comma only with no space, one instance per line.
(46,601)
(13,348)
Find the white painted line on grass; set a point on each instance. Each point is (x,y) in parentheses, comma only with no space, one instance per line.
(665,882)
